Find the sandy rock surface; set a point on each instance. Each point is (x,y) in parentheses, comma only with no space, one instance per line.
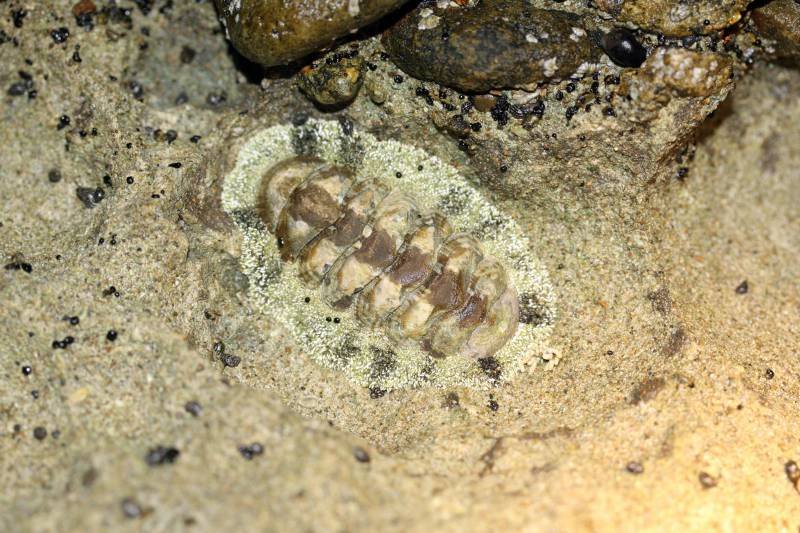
(142,389)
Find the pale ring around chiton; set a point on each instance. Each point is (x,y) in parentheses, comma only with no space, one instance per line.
(336,339)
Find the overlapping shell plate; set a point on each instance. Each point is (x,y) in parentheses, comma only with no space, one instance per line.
(353,293)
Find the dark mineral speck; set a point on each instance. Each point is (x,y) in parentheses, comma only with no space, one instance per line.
(187,55)
(376,392)
(136,89)
(63,122)
(90,196)
(493,405)
(18,16)
(130,508)
(60,35)
(706,480)
(19,264)
(111,335)
(229,360)
(490,367)
(215,99)
(111,291)
(793,473)
(251,450)
(54,176)
(622,47)
(161,455)
(451,400)
(39,433)
(361,455)
(193,408)
(742,288)
(634,467)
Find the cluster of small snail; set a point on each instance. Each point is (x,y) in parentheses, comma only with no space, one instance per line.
(375,251)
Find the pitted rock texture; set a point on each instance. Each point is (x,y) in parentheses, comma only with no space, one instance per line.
(276,32)
(677,19)
(492,45)
(335,80)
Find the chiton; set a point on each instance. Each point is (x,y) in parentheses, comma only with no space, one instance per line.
(383,261)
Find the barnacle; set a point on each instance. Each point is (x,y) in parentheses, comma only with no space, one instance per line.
(347,247)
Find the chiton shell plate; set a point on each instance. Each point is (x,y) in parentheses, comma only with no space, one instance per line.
(358,168)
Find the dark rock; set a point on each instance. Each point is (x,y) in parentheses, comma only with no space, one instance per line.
(90,196)
(161,455)
(493,45)
(780,21)
(276,32)
(622,47)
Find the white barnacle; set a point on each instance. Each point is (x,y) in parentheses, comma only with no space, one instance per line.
(369,356)
(427,20)
(577,34)
(550,66)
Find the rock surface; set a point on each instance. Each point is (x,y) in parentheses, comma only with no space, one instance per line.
(276,32)
(672,244)
(677,19)
(492,45)
(334,80)
(779,21)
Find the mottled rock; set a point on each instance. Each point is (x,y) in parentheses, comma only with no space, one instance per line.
(499,44)
(677,19)
(780,21)
(674,72)
(276,32)
(334,80)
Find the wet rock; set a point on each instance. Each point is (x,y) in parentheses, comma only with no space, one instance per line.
(673,73)
(276,32)
(676,19)
(780,21)
(689,73)
(333,81)
(499,44)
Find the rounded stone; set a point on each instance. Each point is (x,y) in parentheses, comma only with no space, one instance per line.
(276,32)
(333,81)
(622,47)
(494,45)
